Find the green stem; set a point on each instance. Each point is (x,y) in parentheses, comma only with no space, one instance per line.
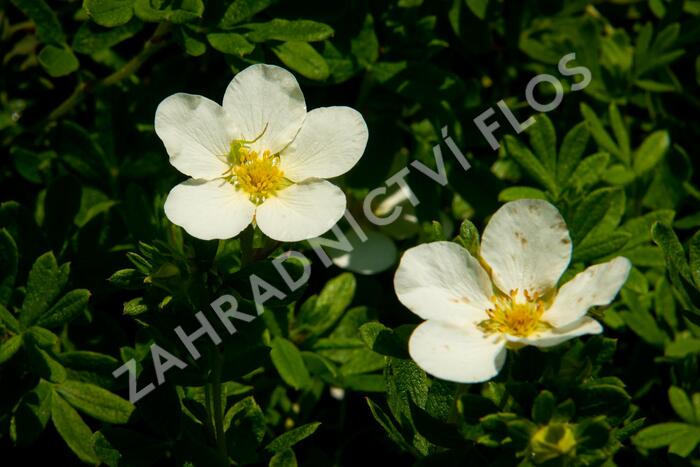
(247,250)
(152,45)
(218,406)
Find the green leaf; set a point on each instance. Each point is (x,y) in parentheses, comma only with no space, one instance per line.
(175,12)
(8,266)
(285,30)
(8,320)
(660,435)
(109,13)
(651,151)
(385,422)
(590,170)
(590,212)
(289,363)
(30,416)
(192,41)
(596,247)
(469,237)
(73,430)
(681,404)
(333,300)
(666,238)
(382,340)
(694,258)
(572,149)
(230,43)
(129,279)
(478,7)
(530,163)
(42,363)
(58,60)
(514,193)
(601,399)
(543,407)
(302,57)
(284,458)
(599,133)
(543,140)
(90,38)
(244,424)
(42,337)
(241,10)
(620,130)
(96,402)
(292,437)
(48,27)
(10,347)
(45,282)
(68,307)
(685,444)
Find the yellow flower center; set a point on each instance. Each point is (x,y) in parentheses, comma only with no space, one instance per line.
(513,317)
(256,174)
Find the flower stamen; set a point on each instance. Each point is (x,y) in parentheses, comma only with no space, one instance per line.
(510,316)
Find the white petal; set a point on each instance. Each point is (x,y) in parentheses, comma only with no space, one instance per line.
(265,98)
(527,245)
(197,134)
(596,286)
(442,281)
(462,355)
(301,211)
(552,337)
(374,255)
(209,209)
(330,143)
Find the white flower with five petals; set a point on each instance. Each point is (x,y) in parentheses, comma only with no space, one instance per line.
(260,157)
(476,308)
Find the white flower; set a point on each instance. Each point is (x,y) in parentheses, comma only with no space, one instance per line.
(474,315)
(261,157)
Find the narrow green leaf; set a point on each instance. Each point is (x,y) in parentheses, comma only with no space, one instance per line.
(73,430)
(241,10)
(599,133)
(68,307)
(285,30)
(530,163)
(8,320)
(10,347)
(543,140)
(96,402)
(572,149)
(590,212)
(651,151)
(469,237)
(694,258)
(289,363)
(620,130)
(292,437)
(660,435)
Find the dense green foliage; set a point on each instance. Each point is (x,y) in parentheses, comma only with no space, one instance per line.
(92,273)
